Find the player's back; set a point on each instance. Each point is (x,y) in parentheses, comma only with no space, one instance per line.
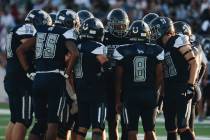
(139,63)
(176,68)
(50,47)
(14,40)
(88,69)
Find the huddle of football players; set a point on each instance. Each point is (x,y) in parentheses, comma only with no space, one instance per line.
(74,73)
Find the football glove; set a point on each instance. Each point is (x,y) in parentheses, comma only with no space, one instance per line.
(64,74)
(189,91)
(31,74)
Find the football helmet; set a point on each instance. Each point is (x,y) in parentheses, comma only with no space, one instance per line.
(161,26)
(183,28)
(67,18)
(149,17)
(92,29)
(53,17)
(38,17)
(118,22)
(83,15)
(139,31)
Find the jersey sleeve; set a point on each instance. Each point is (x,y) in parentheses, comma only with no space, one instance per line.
(99,50)
(160,56)
(70,35)
(181,40)
(117,55)
(26,31)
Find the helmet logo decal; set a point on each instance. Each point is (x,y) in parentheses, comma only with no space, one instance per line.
(85,26)
(135,30)
(61,18)
(32,15)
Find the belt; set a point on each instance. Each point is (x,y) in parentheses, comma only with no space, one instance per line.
(55,71)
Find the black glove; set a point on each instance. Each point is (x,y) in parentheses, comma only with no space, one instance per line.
(189,91)
(31,73)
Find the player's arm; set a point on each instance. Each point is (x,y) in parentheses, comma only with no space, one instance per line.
(26,46)
(190,57)
(73,55)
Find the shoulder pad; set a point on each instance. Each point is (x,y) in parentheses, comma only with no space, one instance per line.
(26,29)
(70,34)
(181,40)
(100,49)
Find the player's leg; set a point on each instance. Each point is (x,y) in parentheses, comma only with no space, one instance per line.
(56,104)
(148,121)
(98,116)
(130,117)
(39,98)
(112,118)
(11,92)
(183,115)
(10,126)
(83,119)
(23,113)
(169,110)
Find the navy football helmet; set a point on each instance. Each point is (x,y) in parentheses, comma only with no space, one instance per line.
(38,17)
(83,15)
(67,18)
(92,29)
(118,22)
(139,31)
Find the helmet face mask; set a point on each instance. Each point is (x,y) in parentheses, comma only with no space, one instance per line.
(118,22)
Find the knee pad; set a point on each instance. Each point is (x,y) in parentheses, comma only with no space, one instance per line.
(39,128)
(83,134)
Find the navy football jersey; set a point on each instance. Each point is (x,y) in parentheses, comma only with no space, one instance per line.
(112,42)
(139,63)
(176,68)
(14,69)
(88,69)
(50,47)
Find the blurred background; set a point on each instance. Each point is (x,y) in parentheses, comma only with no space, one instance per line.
(195,12)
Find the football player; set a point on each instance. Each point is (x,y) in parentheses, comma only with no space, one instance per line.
(181,70)
(52,43)
(69,118)
(83,15)
(139,73)
(184,28)
(117,28)
(149,17)
(16,83)
(89,84)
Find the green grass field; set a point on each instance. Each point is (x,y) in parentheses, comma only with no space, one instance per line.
(202,130)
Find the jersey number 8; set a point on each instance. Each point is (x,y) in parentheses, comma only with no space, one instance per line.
(139,63)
